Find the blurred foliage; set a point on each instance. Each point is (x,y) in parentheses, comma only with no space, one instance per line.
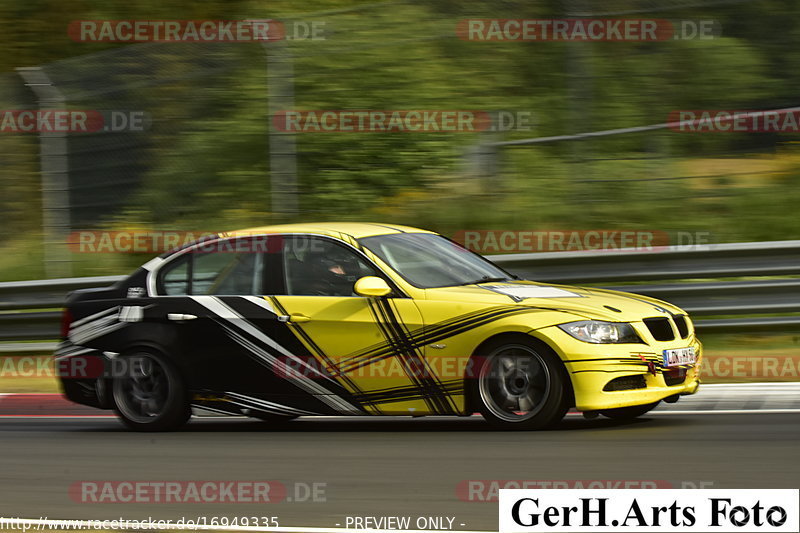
(205,163)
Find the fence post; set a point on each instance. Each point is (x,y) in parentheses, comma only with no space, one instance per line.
(54,170)
(480,165)
(579,108)
(282,148)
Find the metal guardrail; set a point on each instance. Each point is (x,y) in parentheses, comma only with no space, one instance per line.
(713,261)
(46,293)
(29,309)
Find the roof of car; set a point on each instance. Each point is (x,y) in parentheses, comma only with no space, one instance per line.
(356,230)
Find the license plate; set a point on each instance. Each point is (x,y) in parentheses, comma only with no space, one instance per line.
(680,356)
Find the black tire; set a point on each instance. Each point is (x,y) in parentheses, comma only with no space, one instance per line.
(629,413)
(522,371)
(151,395)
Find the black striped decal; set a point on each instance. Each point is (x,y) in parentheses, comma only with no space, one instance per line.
(429,388)
(427,335)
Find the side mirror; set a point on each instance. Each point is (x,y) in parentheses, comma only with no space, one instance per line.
(372,286)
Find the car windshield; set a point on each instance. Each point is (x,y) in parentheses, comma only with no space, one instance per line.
(427,260)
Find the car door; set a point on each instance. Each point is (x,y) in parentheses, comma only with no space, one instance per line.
(233,345)
(368,345)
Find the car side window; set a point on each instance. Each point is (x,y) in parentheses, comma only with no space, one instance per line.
(315,266)
(227,273)
(175,277)
(214,271)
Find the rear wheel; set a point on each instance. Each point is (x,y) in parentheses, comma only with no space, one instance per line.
(150,395)
(520,385)
(628,413)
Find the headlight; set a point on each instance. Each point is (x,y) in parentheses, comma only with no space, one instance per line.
(598,332)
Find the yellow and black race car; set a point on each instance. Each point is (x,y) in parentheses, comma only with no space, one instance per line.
(364,319)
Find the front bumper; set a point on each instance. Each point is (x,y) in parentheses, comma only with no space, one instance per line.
(593,367)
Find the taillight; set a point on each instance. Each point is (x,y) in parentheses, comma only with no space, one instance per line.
(66,320)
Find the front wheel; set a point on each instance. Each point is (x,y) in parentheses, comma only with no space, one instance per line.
(629,413)
(150,394)
(520,385)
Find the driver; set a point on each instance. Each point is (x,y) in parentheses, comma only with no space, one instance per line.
(335,271)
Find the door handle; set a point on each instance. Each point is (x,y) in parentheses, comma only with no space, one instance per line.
(295,318)
(180,317)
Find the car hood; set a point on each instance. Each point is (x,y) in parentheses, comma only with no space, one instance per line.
(592,303)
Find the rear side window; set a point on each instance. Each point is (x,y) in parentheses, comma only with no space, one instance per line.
(227,273)
(175,277)
(216,271)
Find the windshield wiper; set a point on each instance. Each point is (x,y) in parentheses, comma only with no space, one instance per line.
(484,279)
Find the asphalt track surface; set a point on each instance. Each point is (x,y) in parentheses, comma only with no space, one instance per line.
(392,466)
